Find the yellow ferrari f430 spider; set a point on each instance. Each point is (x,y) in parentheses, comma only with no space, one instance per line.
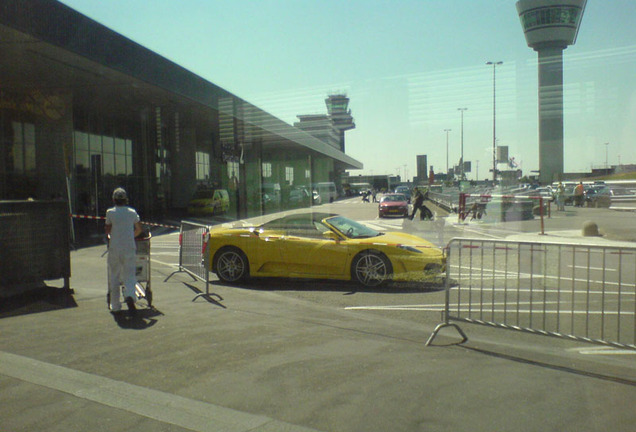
(321,246)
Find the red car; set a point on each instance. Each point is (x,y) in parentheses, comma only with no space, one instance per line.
(393,205)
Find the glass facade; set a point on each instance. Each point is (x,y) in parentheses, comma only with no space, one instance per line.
(100,163)
(203,166)
(18,166)
(563,15)
(24,148)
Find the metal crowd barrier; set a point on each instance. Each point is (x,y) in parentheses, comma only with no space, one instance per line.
(192,256)
(572,291)
(505,207)
(445,201)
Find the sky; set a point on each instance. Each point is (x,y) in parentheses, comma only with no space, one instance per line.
(407,66)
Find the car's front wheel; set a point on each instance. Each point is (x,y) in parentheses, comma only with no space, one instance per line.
(371,268)
(231,265)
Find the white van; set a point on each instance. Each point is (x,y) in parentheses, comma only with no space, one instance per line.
(327,191)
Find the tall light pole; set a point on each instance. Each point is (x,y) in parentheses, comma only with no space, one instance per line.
(494,120)
(606,163)
(461,168)
(447,131)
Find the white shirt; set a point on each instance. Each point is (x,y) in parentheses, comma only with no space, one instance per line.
(122,220)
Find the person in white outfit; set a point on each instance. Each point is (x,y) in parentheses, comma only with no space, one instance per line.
(122,225)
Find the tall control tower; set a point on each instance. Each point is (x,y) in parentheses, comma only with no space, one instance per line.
(550,26)
(337,107)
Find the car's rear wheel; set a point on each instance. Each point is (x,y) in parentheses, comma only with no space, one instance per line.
(371,268)
(231,265)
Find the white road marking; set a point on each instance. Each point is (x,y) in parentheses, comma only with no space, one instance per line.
(594,268)
(154,404)
(464,308)
(603,351)
(173,265)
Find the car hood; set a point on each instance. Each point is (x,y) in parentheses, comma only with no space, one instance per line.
(398,238)
(393,204)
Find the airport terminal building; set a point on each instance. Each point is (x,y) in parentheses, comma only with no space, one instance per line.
(83,110)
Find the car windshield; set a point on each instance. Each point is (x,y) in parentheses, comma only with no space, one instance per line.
(392,198)
(204,194)
(351,229)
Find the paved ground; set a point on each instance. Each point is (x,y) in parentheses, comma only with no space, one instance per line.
(250,359)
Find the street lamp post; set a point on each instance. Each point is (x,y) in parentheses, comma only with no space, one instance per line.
(606,162)
(447,131)
(461,167)
(494,120)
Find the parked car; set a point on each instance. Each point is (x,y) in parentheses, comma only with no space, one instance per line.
(208,201)
(322,246)
(598,196)
(568,196)
(393,205)
(299,197)
(327,191)
(543,192)
(405,190)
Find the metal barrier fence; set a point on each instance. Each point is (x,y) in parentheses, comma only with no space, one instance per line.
(503,207)
(444,200)
(192,256)
(573,291)
(34,244)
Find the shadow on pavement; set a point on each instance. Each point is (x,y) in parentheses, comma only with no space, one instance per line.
(142,319)
(347,287)
(209,297)
(38,299)
(543,364)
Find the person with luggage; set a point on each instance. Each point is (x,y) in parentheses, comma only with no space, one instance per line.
(579,195)
(122,226)
(418,204)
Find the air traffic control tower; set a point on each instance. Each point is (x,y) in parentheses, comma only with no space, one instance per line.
(550,26)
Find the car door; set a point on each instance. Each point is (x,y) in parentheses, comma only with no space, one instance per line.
(309,253)
(267,259)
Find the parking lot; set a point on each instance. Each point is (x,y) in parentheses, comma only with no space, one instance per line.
(299,355)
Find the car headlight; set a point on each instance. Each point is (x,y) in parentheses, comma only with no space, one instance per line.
(409,248)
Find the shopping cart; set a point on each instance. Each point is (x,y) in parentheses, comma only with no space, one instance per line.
(142,270)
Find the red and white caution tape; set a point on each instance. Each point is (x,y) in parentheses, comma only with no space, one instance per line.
(76,216)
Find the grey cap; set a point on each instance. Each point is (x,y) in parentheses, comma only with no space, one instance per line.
(119,194)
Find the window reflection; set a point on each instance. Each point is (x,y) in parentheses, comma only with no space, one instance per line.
(23,148)
(203,165)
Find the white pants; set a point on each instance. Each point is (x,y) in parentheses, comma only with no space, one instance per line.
(121,271)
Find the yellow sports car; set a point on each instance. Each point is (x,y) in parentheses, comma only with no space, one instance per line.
(322,246)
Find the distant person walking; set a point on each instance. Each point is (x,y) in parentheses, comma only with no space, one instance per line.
(122,226)
(579,192)
(560,197)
